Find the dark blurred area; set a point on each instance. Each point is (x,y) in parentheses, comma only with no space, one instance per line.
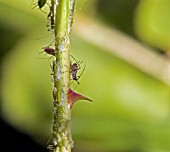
(13,140)
(8,39)
(118,13)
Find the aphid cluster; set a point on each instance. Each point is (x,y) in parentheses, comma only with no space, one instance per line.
(74,66)
(50,15)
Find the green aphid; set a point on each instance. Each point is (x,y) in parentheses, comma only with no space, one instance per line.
(41,3)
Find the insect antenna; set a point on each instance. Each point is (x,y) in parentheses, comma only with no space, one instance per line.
(82,70)
(45,36)
(73,58)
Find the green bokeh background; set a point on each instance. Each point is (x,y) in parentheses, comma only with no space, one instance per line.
(130,112)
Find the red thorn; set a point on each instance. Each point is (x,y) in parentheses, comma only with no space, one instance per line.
(73,97)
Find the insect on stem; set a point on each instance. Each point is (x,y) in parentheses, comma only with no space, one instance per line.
(40,4)
(74,69)
(50,50)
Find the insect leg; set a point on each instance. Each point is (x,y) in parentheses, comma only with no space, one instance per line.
(76,85)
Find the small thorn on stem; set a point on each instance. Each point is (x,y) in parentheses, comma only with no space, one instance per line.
(73,97)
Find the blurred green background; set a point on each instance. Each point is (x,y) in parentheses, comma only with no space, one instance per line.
(131,110)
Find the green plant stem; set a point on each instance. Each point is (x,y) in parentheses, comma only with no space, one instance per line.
(63,16)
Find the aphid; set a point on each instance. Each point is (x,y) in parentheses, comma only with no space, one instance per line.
(51,14)
(50,17)
(40,3)
(49,50)
(74,69)
(50,146)
(52,22)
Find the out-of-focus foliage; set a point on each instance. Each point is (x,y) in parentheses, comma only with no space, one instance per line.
(130,110)
(153,24)
(118,14)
